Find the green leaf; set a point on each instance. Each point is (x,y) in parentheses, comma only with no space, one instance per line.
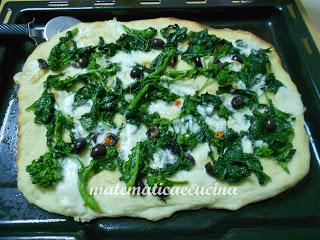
(46,171)
(64,52)
(135,39)
(174,34)
(43,108)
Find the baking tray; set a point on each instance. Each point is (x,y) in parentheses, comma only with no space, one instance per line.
(293,214)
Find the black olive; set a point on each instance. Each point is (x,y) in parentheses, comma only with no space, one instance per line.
(98,150)
(136,73)
(43,64)
(271,125)
(111,139)
(198,62)
(79,144)
(237,102)
(237,58)
(81,63)
(139,187)
(156,43)
(190,158)
(153,132)
(173,146)
(174,60)
(210,169)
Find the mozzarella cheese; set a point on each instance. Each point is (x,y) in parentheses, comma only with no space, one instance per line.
(165,110)
(184,125)
(246,145)
(163,157)
(238,121)
(128,60)
(67,190)
(234,65)
(289,101)
(64,101)
(129,136)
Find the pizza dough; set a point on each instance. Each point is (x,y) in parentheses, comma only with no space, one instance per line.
(65,198)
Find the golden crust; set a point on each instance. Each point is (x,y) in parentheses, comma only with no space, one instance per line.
(31,143)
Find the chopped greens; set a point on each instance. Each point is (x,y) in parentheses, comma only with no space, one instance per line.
(135,39)
(100,94)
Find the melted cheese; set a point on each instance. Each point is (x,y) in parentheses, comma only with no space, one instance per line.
(213,120)
(247,48)
(216,123)
(185,124)
(227,98)
(78,130)
(238,121)
(246,144)
(64,101)
(259,83)
(129,136)
(128,60)
(67,190)
(165,110)
(234,65)
(289,101)
(163,157)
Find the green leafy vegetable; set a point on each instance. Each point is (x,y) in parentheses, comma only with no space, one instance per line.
(204,44)
(135,39)
(43,108)
(46,171)
(174,34)
(64,52)
(278,141)
(233,165)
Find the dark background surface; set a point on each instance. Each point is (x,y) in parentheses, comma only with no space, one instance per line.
(293,214)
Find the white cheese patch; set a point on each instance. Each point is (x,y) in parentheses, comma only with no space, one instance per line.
(289,101)
(213,120)
(205,109)
(64,101)
(165,110)
(227,98)
(129,136)
(200,153)
(238,121)
(70,199)
(78,130)
(247,48)
(216,123)
(239,84)
(234,66)
(72,71)
(183,88)
(163,157)
(246,144)
(128,60)
(259,83)
(184,125)
(258,143)
(115,30)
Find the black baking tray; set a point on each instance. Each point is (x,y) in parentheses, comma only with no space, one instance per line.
(294,214)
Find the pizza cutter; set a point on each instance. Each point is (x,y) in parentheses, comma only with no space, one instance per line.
(36,32)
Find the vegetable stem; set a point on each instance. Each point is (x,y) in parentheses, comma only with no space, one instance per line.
(83,184)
